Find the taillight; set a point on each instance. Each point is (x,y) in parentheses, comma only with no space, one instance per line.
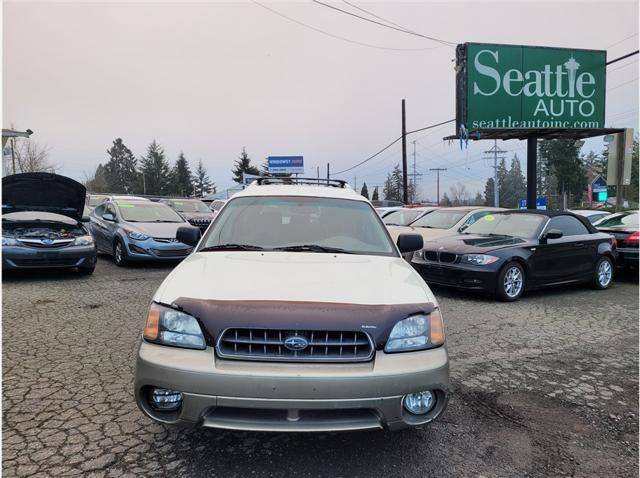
(633,238)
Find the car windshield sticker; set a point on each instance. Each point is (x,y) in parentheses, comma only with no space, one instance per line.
(126,205)
(489,217)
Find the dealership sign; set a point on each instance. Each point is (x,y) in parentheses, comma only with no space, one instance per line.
(524,87)
(285,164)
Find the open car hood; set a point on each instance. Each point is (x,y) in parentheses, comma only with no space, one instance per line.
(45,192)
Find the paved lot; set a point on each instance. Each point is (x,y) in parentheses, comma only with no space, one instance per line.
(545,386)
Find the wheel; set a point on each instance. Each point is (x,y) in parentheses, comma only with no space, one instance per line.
(511,282)
(119,253)
(86,270)
(603,273)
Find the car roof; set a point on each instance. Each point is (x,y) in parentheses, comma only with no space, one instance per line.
(588,212)
(306,190)
(551,214)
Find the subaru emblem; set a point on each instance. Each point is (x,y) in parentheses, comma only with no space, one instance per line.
(47,241)
(296,343)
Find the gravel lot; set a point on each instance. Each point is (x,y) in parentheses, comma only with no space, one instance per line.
(545,386)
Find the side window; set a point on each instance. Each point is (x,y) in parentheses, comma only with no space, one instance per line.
(99,210)
(570,226)
(111,210)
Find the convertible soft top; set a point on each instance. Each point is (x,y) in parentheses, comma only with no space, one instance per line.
(543,212)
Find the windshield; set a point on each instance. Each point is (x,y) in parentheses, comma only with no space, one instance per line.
(96,200)
(519,225)
(622,219)
(402,217)
(147,212)
(271,222)
(190,206)
(444,219)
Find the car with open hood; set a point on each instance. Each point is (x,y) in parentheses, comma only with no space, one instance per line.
(508,252)
(295,312)
(137,230)
(193,210)
(42,223)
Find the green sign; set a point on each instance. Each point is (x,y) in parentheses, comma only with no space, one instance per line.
(523,87)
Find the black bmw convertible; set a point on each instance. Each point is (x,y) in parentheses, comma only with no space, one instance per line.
(508,252)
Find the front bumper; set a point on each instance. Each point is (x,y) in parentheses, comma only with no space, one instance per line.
(152,250)
(25,257)
(268,396)
(480,278)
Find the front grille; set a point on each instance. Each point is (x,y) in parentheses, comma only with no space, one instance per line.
(200,222)
(171,253)
(56,244)
(269,345)
(45,262)
(444,257)
(165,239)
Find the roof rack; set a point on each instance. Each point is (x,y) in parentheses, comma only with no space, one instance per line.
(335,183)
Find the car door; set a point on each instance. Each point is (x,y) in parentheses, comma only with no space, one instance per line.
(96,226)
(566,258)
(110,227)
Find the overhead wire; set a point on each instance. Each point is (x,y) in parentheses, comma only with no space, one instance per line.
(409,32)
(338,37)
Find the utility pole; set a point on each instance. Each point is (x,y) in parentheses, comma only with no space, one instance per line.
(13,157)
(355,183)
(405,189)
(318,173)
(496,190)
(414,176)
(328,175)
(437,170)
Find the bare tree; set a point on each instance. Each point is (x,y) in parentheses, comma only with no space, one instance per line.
(29,157)
(459,194)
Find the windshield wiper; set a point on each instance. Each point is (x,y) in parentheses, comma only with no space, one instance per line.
(231,247)
(312,248)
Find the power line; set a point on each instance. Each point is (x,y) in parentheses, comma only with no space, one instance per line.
(622,84)
(338,37)
(620,41)
(391,144)
(622,57)
(409,32)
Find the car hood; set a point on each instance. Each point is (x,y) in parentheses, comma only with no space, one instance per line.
(428,234)
(45,192)
(470,243)
(296,291)
(166,230)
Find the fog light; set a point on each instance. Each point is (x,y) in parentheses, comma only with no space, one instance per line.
(419,403)
(164,399)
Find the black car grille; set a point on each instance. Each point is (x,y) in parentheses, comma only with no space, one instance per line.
(41,245)
(45,262)
(203,224)
(171,252)
(269,345)
(444,257)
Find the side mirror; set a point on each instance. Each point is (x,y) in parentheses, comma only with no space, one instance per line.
(409,242)
(551,234)
(85,219)
(463,227)
(189,235)
(107,216)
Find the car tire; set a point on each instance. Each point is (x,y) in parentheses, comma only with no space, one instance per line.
(511,282)
(602,273)
(87,270)
(119,253)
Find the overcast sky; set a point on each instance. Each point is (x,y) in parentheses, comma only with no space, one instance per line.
(210,78)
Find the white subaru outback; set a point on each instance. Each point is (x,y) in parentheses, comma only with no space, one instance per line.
(295,312)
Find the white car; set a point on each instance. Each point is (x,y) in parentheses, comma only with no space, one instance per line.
(295,312)
(216,205)
(592,215)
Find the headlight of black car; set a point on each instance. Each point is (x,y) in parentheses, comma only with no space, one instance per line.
(168,326)
(478,259)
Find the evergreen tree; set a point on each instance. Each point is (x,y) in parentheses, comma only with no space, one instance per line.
(445,201)
(374,197)
(502,175)
(98,183)
(155,171)
(120,170)
(181,178)
(489,189)
(514,186)
(479,200)
(633,189)
(561,159)
(243,165)
(203,185)
(364,191)
(392,189)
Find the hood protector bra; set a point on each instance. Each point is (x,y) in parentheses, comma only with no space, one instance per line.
(377,320)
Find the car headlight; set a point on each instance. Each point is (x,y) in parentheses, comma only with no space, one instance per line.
(418,332)
(9,241)
(478,259)
(419,255)
(137,236)
(168,326)
(83,241)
